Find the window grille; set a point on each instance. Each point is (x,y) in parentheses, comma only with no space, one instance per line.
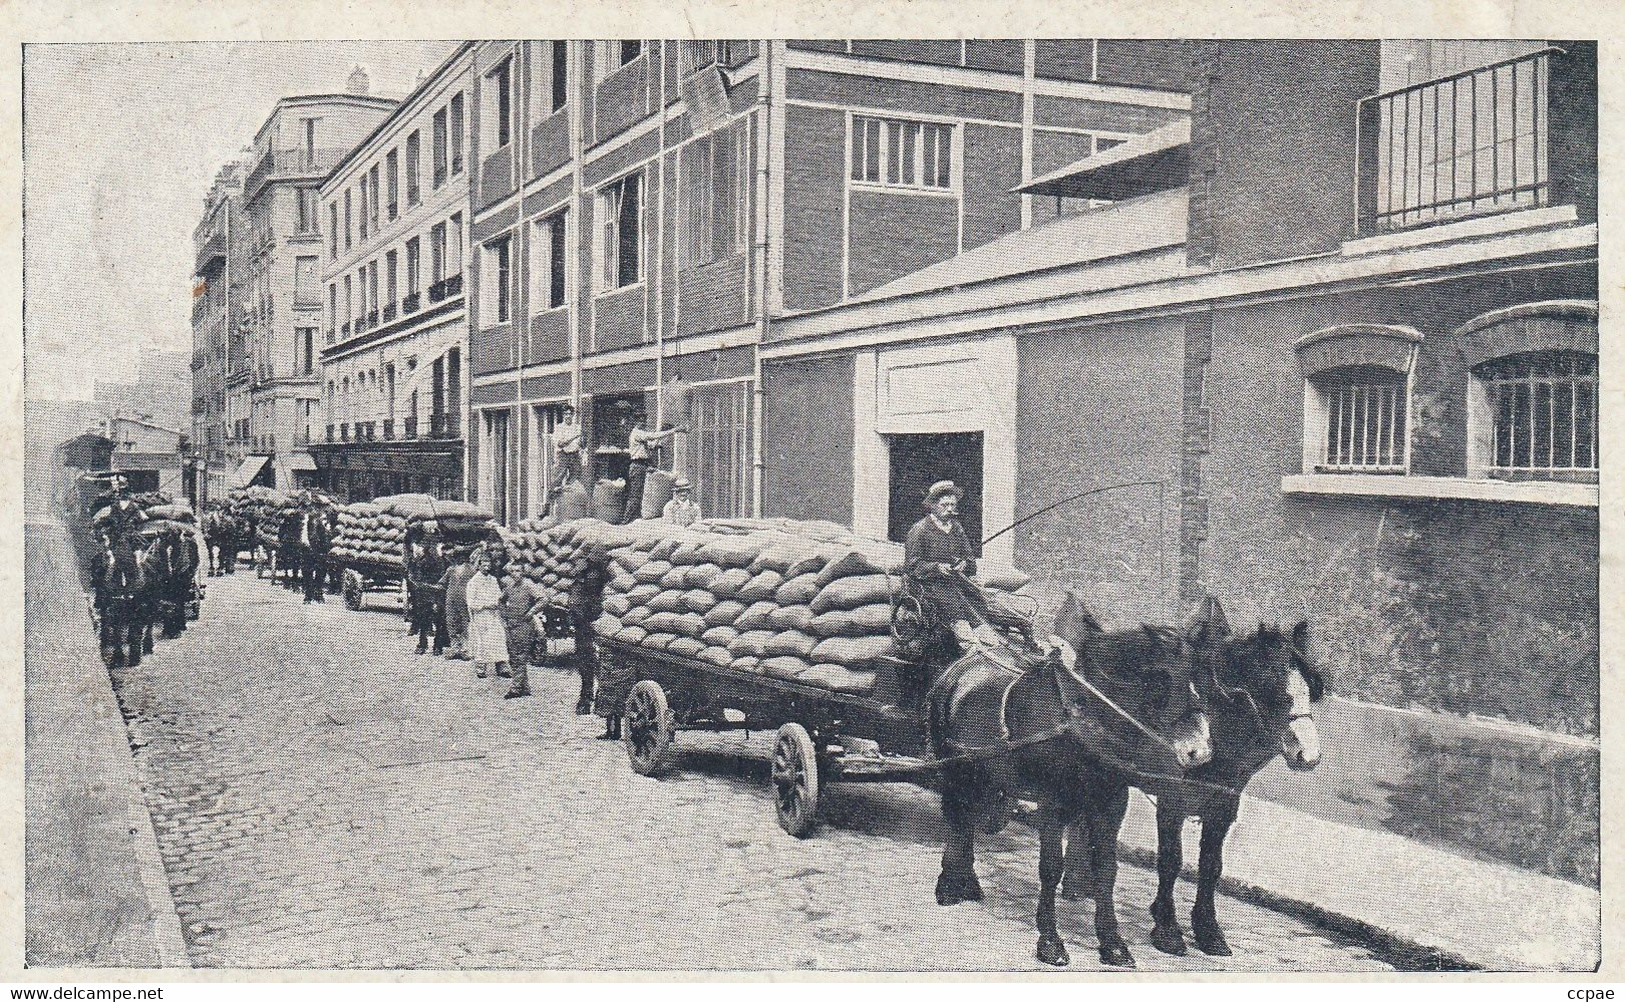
(902,154)
(719,454)
(1543,412)
(1366,424)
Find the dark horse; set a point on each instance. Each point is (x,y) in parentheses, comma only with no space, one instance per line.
(1260,688)
(1071,738)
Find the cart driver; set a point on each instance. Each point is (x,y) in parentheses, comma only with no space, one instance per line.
(939,560)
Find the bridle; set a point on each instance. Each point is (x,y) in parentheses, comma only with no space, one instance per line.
(1242,696)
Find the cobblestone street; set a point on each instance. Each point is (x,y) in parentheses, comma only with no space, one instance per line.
(324,798)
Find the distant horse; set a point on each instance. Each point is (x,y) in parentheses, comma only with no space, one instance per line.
(1261,688)
(1073,739)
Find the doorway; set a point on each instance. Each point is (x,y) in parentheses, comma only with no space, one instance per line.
(917,462)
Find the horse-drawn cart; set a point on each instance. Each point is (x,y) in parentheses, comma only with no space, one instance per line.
(364,575)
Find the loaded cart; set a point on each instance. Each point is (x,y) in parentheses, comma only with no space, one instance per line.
(374,537)
(802,629)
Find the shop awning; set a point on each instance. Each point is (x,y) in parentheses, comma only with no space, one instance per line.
(251,467)
(299,462)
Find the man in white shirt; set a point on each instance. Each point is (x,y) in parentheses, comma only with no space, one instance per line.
(643,450)
(681,509)
(567,447)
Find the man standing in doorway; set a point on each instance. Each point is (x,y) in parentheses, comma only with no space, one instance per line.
(643,450)
(567,447)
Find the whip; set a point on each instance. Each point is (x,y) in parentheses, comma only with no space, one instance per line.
(1068,500)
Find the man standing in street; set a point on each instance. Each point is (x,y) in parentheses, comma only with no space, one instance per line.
(314,543)
(424,569)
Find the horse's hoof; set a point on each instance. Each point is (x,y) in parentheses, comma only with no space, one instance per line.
(1116,955)
(1211,941)
(954,888)
(1168,939)
(1052,951)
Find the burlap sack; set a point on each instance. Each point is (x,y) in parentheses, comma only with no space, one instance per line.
(751,644)
(658,641)
(640,594)
(688,647)
(652,571)
(763,585)
(637,615)
(631,634)
(788,668)
(718,656)
(854,592)
(617,606)
(849,564)
(791,617)
(729,583)
(839,679)
(758,616)
(667,601)
(606,626)
(661,622)
(799,590)
(701,575)
(748,663)
(687,553)
(789,642)
(699,600)
(724,613)
(720,636)
(731,551)
(675,579)
(690,624)
(656,492)
(852,652)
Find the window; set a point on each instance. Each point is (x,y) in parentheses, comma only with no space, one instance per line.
(561,74)
(715,195)
(374,207)
(308,210)
(365,212)
(372,292)
(305,337)
(612,54)
(902,154)
(457,133)
(439,147)
(333,231)
(347,239)
(498,275)
(454,252)
(547,260)
(349,304)
(1542,407)
(332,310)
(1357,398)
(437,253)
(498,106)
(620,219)
(390,261)
(414,143)
(392,177)
(413,256)
(310,138)
(307,282)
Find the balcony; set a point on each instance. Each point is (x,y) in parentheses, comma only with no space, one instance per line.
(411,430)
(389,313)
(454,284)
(411,302)
(372,319)
(1472,143)
(211,254)
(437,291)
(288,164)
(361,325)
(344,331)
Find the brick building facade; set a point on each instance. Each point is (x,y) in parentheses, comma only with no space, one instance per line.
(1337,360)
(644,212)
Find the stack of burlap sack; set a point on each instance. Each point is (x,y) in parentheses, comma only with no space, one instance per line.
(549,554)
(376,531)
(804,601)
(263,508)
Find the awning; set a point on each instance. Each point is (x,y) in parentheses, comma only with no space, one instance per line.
(1155,161)
(249,470)
(299,462)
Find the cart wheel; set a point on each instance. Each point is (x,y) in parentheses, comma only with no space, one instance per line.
(795,780)
(646,728)
(354,589)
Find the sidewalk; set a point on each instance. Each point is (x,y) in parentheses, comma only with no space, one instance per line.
(95,892)
(1377,885)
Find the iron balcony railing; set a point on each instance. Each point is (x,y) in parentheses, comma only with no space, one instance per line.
(298,162)
(410,303)
(1468,143)
(411,427)
(437,291)
(454,284)
(389,313)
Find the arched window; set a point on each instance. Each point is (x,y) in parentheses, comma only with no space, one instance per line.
(1532,395)
(1357,398)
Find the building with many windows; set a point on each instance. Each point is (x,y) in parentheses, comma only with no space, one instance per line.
(217,332)
(274,400)
(644,212)
(1330,348)
(391,352)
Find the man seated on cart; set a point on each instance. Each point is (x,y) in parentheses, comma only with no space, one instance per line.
(939,564)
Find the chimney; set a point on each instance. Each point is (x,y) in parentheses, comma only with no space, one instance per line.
(360,84)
